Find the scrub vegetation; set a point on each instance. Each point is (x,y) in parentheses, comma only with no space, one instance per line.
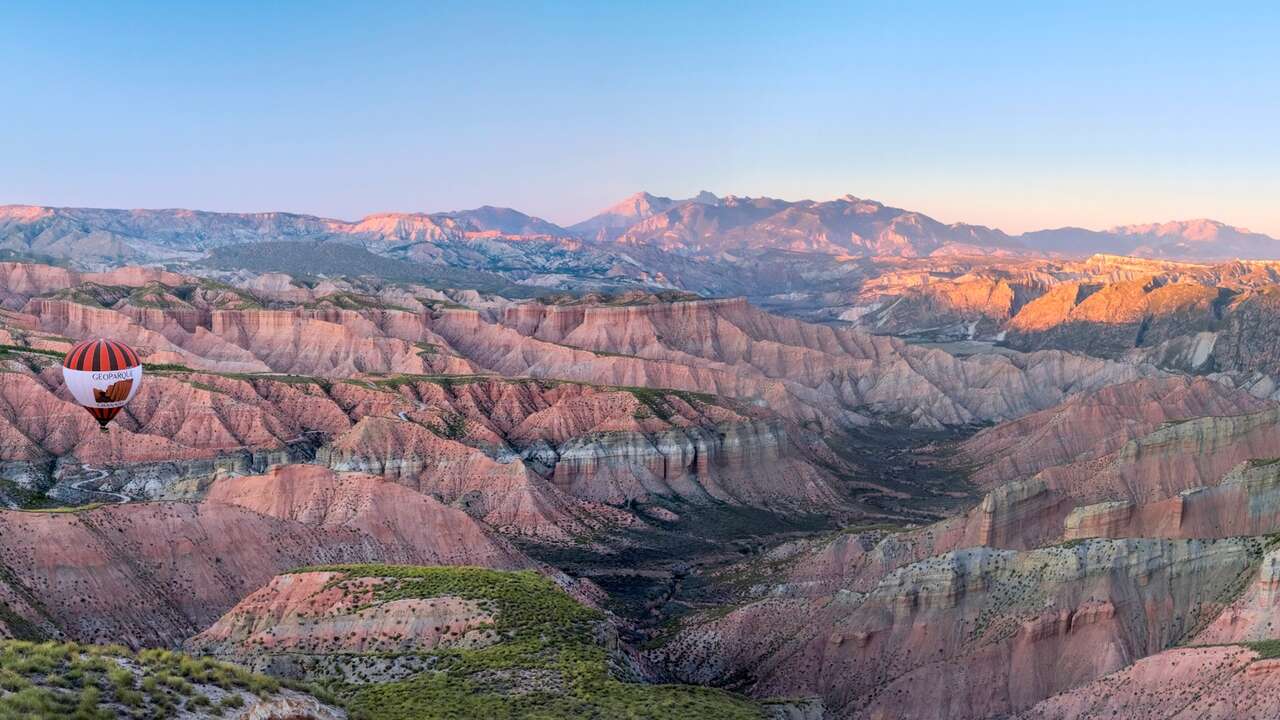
(551,660)
(91,682)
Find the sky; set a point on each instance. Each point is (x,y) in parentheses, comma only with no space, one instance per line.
(1015,115)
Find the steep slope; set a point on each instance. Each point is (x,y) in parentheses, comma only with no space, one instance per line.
(809,372)
(152,574)
(1096,423)
(541,459)
(1202,683)
(968,634)
(1177,457)
(1113,318)
(1251,616)
(1245,502)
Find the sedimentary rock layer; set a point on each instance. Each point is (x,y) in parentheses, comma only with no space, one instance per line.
(155,573)
(970,633)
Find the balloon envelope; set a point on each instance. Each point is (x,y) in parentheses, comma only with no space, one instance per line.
(102,375)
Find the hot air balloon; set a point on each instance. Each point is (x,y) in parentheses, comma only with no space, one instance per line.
(102,375)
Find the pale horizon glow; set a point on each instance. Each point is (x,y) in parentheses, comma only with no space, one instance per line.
(1013,116)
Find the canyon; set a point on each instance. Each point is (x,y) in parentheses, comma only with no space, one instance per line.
(938,476)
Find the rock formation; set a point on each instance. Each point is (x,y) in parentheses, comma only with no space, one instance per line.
(1094,424)
(151,574)
(968,634)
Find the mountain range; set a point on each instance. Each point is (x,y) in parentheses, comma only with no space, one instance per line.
(705,243)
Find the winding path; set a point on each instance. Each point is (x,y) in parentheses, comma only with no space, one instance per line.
(102,474)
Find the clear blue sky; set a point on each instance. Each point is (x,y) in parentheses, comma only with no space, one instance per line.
(1017,115)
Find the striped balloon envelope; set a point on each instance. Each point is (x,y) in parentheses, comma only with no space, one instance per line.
(102,375)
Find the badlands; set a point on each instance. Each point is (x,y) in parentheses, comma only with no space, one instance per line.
(503,468)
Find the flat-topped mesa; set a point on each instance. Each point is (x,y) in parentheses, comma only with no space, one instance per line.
(620,329)
(79,320)
(30,279)
(161,320)
(20,281)
(159,335)
(134,276)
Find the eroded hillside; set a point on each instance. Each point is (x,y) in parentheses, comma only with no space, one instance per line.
(833,521)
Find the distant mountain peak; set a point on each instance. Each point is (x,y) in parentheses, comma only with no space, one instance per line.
(611,221)
(1197,229)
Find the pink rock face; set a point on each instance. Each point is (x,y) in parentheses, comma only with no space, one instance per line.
(1247,502)
(155,573)
(1199,683)
(1094,424)
(1172,459)
(323,613)
(1253,615)
(392,515)
(726,347)
(507,496)
(171,418)
(461,441)
(974,633)
(805,371)
(19,281)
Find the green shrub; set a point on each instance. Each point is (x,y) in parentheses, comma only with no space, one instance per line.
(542,629)
(87,682)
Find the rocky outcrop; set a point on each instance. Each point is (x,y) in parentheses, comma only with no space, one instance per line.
(971,633)
(1252,615)
(1247,502)
(506,495)
(538,459)
(290,706)
(740,464)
